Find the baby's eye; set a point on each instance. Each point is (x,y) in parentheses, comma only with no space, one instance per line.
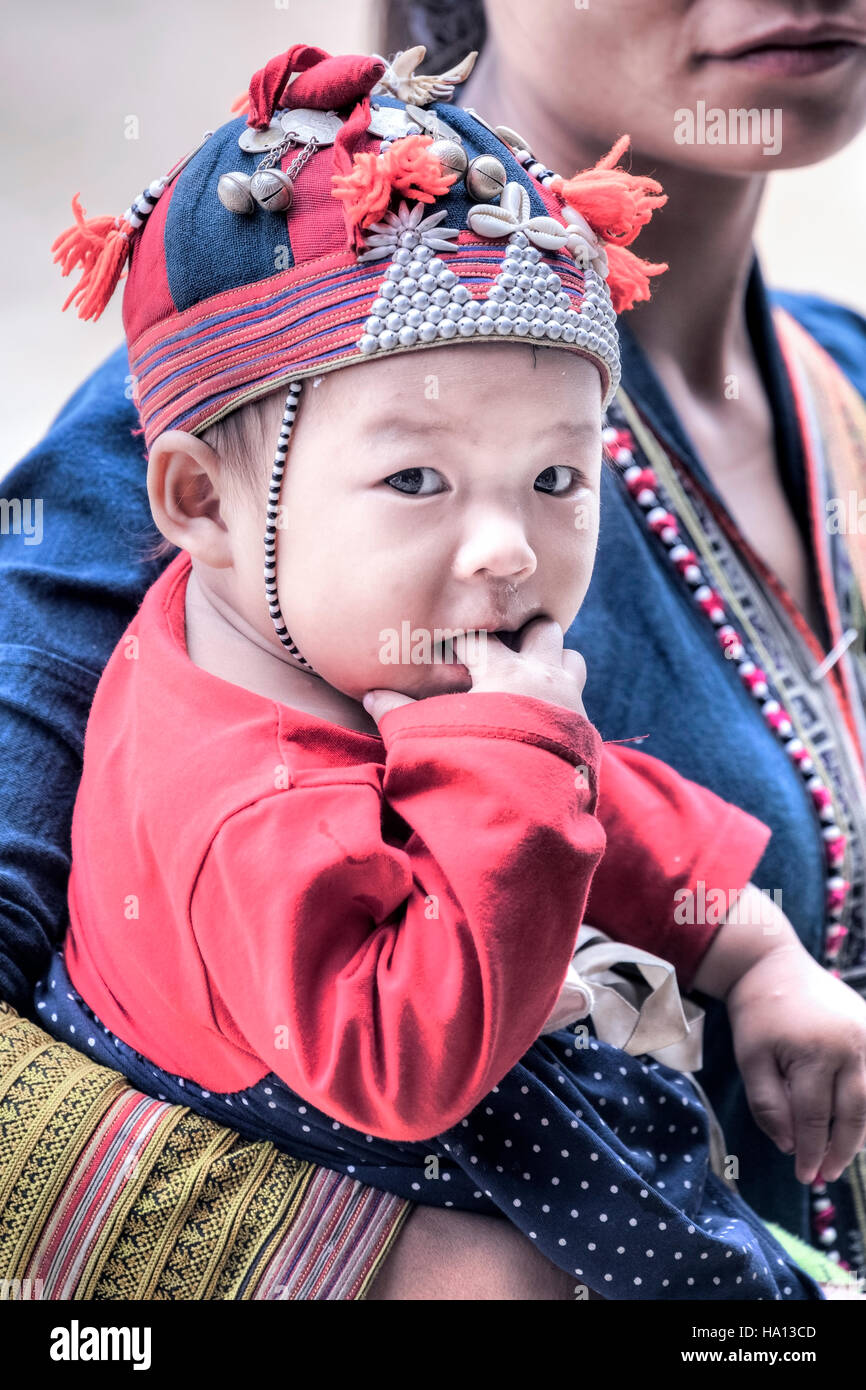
(411,481)
(547,480)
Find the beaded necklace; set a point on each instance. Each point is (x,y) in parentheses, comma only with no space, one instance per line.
(642,484)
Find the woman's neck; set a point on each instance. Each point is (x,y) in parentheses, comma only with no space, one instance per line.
(696,316)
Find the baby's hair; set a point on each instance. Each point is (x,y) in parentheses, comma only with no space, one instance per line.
(245,441)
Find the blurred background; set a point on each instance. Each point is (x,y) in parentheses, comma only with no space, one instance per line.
(100,98)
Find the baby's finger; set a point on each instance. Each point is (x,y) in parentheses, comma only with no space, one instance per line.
(811,1105)
(573,661)
(378,703)
(849,1119)
(478,651)
(768,1100)
(542,637)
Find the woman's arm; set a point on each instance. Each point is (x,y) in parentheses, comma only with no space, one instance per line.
(72,574)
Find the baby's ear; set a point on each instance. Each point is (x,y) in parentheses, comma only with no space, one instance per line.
(184,486)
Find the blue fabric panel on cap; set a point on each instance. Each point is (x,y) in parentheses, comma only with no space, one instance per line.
(208,248)
(477,139)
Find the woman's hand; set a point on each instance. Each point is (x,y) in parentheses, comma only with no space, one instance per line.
(800,1043)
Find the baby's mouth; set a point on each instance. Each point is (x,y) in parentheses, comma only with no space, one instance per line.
(445,649)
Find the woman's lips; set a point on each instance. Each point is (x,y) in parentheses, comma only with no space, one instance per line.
(783,60)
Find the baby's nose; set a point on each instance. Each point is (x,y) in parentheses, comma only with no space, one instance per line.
(498,546)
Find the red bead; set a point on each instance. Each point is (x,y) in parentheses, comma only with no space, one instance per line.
(646,478)
(756,677)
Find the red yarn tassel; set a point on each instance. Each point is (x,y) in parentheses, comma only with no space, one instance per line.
(628,277)
(615,203)
(100,247)
(405,167)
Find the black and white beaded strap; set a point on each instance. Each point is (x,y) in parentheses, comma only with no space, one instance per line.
(291,410)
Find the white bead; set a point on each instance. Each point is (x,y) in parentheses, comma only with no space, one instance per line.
(466,327)
(447,328)
(408,337)
(387,340)
(368,343)
(427,332)
(485,324)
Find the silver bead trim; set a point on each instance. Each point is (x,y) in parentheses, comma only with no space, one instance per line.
(421,301)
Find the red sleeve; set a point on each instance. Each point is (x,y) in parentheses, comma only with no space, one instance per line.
(665,834)
(393,973)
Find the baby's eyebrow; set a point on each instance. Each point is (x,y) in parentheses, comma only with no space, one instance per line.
(399,426)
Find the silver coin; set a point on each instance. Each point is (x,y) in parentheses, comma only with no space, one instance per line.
(390,122)
(259,141)
(305,123)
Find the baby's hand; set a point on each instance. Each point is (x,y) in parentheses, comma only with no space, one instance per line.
(800,1043)
(539,665)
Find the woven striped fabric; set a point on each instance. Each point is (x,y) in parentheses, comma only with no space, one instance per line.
(256,337)
(108,1194)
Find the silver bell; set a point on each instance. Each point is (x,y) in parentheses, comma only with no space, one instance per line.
(272,189)
(233,191)
(450,155)
(486,177)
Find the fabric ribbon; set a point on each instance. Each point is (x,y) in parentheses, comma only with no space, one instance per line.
(640,1016)
(321,82)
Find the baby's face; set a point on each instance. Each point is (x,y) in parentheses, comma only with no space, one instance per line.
(427,494)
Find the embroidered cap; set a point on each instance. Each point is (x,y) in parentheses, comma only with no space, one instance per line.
(347,215)
(353,214)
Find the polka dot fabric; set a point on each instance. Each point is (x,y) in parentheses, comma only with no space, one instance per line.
(600,1158)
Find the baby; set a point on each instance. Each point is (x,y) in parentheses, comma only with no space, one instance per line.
(337,832)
